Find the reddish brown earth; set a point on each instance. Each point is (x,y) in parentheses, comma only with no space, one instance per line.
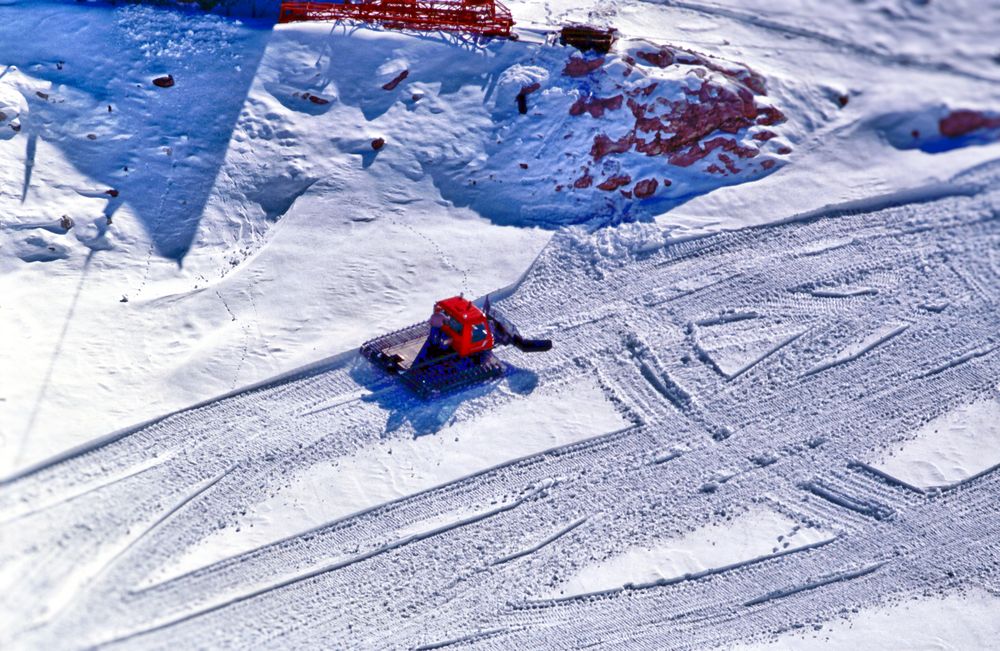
(530,88)
(769,116)
(645,188)
(580,67)
(728,162)
(684,130)
(615,182)
(675,128)
(660,59)
(596,106)
(697,151)
(962,122)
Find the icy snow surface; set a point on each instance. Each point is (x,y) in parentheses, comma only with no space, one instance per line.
(763,236)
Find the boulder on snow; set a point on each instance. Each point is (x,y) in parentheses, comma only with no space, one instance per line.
(963,121)
(935,129)
(316,99)
(164,82)
(645,188)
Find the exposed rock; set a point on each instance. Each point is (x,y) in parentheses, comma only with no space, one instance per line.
(961,122)
(398,79)
(615,182)
(579,67)
(661,58)
(645,188)
(596,106)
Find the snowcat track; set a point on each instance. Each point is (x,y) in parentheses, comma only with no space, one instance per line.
(447,377)
(437,379)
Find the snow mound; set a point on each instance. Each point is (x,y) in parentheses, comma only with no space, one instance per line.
(13,109)
(617,137)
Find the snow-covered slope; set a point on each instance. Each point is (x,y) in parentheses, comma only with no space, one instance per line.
(763,237)
(244,214)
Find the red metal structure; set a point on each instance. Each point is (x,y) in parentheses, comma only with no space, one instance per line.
(480,17)
(465,325)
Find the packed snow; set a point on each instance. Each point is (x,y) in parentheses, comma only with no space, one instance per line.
(182,200)
(952,623)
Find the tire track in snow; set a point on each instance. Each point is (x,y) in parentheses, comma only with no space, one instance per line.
(131,543)
(324,569)
(861,348)
(813,585)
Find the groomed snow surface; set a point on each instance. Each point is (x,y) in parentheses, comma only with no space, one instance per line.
(763,238)
(392,470)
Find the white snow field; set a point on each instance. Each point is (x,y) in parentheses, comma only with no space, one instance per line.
(952,448)
(952,623)
(750,537)
(764,238)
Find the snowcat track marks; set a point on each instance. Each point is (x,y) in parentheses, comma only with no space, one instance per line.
(444,584)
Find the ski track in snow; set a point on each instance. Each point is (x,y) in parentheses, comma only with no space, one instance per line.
(474,561)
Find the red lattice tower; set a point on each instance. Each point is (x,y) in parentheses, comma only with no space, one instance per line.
(478,17)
